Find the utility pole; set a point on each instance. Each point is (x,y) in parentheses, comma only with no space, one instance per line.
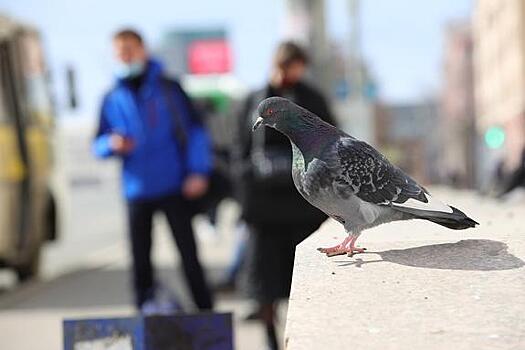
(356,111)
(306,24)
(354,71)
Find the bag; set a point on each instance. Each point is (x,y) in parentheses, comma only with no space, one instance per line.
(219,184)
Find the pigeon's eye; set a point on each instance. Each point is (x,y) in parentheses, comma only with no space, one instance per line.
(269,111)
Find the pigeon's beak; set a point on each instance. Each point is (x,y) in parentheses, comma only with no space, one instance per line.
(258,122)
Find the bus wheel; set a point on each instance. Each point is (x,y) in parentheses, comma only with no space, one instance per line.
(51,219)
(29,269)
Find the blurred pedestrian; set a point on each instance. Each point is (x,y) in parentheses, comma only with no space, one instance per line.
(148,122)
(277,216)
(515,179)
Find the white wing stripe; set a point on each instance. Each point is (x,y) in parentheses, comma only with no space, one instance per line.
(432,205)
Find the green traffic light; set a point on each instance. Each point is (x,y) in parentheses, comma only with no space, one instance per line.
(494,137)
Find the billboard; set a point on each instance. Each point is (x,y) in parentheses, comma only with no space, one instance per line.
(197,52)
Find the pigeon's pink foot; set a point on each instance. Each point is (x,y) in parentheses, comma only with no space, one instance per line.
(337,249)
(345,247)
(333,251)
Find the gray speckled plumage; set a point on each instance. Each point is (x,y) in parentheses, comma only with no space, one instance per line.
(341,189)
(348,179)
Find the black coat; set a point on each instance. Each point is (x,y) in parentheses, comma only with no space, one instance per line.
(274,202)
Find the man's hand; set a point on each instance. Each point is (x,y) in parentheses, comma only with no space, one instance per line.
(195,186)
(120,144)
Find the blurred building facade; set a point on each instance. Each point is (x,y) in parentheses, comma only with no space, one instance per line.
(457,113)
(499,76)
(409,135)
(356,89)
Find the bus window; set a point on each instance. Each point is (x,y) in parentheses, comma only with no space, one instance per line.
(3,107)
(34,78)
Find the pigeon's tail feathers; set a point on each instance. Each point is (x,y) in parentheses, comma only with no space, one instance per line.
(456,221)
(453,218)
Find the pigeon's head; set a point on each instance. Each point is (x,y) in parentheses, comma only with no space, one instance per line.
(276,112)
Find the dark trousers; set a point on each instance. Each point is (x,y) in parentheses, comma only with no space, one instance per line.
(269,259)
(140,217)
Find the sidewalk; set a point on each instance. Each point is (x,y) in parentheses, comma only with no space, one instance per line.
(419,286)
(85,273)
(98,287)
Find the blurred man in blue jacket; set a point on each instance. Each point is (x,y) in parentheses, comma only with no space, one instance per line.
(149,122)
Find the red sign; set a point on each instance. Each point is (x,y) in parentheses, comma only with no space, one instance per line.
(209,57)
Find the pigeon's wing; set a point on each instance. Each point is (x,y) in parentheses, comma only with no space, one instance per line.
(358,169)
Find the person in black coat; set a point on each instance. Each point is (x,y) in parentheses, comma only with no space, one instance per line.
(277,216)
(515,179)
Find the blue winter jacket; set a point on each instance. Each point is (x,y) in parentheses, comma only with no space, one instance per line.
(159,161)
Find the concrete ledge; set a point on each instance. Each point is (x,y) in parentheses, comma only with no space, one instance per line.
(420,286)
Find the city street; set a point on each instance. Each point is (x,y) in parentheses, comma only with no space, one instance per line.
(205,103)
(84,274)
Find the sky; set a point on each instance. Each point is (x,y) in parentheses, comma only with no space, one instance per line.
(402,40)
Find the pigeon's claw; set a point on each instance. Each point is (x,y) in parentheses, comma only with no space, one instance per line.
(341,250)
(356,250)
(345,247)
(333,251)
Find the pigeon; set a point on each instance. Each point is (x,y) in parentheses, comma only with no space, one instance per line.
(348,179)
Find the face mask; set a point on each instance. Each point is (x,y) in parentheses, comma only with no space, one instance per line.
(129,70)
